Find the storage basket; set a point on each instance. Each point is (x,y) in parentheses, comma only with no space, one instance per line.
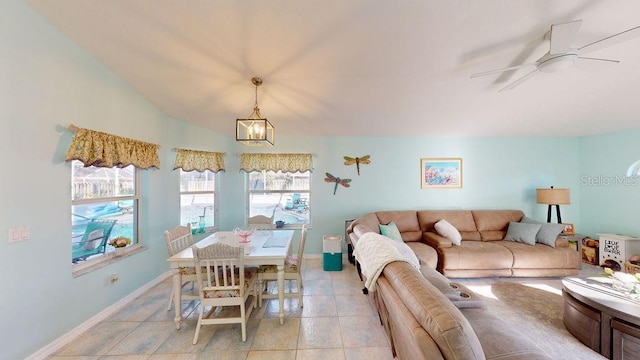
(631,268)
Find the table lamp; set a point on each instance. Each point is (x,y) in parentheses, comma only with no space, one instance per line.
(553,197)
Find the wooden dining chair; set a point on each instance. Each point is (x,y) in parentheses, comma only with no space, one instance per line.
(178,239)
(292,271)
(260,222)
(223,281)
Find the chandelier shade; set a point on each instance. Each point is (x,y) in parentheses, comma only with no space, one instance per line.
(255,130)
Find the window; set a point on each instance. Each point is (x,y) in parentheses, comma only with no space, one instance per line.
(104,205)
(281,195)
(197,200)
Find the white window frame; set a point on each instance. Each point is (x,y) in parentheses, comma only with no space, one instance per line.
(136,245)
(304,194)
(214,206)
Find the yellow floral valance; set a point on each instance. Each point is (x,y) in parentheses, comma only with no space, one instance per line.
(190,160)
(100,149)
(276,162)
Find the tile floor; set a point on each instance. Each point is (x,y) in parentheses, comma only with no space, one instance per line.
(330,326)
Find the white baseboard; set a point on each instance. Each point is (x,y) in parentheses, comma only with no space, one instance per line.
(58,343)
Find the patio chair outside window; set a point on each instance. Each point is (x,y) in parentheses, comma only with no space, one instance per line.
(93,241)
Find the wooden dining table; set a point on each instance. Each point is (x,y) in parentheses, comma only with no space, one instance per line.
(265,247)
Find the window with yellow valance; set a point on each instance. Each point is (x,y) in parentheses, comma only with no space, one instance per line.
(94,148)
(276,162)
(190,160)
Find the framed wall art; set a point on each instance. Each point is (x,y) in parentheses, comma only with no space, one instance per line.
(439,173)
(568,229)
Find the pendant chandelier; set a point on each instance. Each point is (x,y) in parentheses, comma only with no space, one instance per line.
(255,130)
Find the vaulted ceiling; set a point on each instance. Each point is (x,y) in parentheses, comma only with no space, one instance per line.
(364,67)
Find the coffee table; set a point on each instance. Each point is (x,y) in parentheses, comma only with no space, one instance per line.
(606,320)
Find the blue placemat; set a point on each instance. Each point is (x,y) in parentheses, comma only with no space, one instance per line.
(275,242)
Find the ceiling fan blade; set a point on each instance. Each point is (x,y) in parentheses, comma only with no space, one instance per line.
(520,81)
(501,70)
(611,40)
(562,36)
(593,64)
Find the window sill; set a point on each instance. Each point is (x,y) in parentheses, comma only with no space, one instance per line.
(106,259)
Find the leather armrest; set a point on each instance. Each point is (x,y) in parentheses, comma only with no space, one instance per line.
(562,242)
(434,240)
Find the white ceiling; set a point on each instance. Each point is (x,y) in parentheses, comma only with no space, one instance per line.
(363,67)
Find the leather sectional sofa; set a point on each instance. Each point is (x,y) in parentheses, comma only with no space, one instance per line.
(427,317)
(483,252)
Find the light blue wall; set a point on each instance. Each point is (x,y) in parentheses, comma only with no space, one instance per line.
(49,82)
(46,83)
(498,173)
(610,202)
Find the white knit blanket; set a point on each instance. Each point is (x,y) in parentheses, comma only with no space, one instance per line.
(374,251)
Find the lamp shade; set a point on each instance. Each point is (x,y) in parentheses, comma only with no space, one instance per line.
(553,196)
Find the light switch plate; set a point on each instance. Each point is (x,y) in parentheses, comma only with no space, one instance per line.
(19,233)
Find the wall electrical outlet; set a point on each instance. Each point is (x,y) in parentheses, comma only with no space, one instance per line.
(114,279)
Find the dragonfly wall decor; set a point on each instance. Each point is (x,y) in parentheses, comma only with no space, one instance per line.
(359,160)
(344,182)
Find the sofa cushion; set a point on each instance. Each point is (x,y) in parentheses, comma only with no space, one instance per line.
(475,255)
(502,341)
(541,256)
(522,232)
(425,253)
(493,224)
(370,220)
(406,221)
(462,220)
(391,231)
(548,232)
(449,231)
(404,250)
(438,316)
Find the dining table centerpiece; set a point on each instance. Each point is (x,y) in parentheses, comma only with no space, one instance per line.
(244,233)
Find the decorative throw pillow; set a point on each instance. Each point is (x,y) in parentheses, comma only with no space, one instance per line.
(548,232)
(449,231)
(522,232)
(93,240)
(391,231)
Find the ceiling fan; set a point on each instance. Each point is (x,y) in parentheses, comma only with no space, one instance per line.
(562,54)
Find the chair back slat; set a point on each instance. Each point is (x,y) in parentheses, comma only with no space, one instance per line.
(178,239)
(223,265)
(260,222)
(303,240)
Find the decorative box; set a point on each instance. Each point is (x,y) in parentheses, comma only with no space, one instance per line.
(590,251)
(617,248)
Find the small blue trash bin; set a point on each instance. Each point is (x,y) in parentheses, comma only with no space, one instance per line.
(332,253)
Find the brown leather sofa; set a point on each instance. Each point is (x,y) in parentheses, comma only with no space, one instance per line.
(425,318)
(482,252)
